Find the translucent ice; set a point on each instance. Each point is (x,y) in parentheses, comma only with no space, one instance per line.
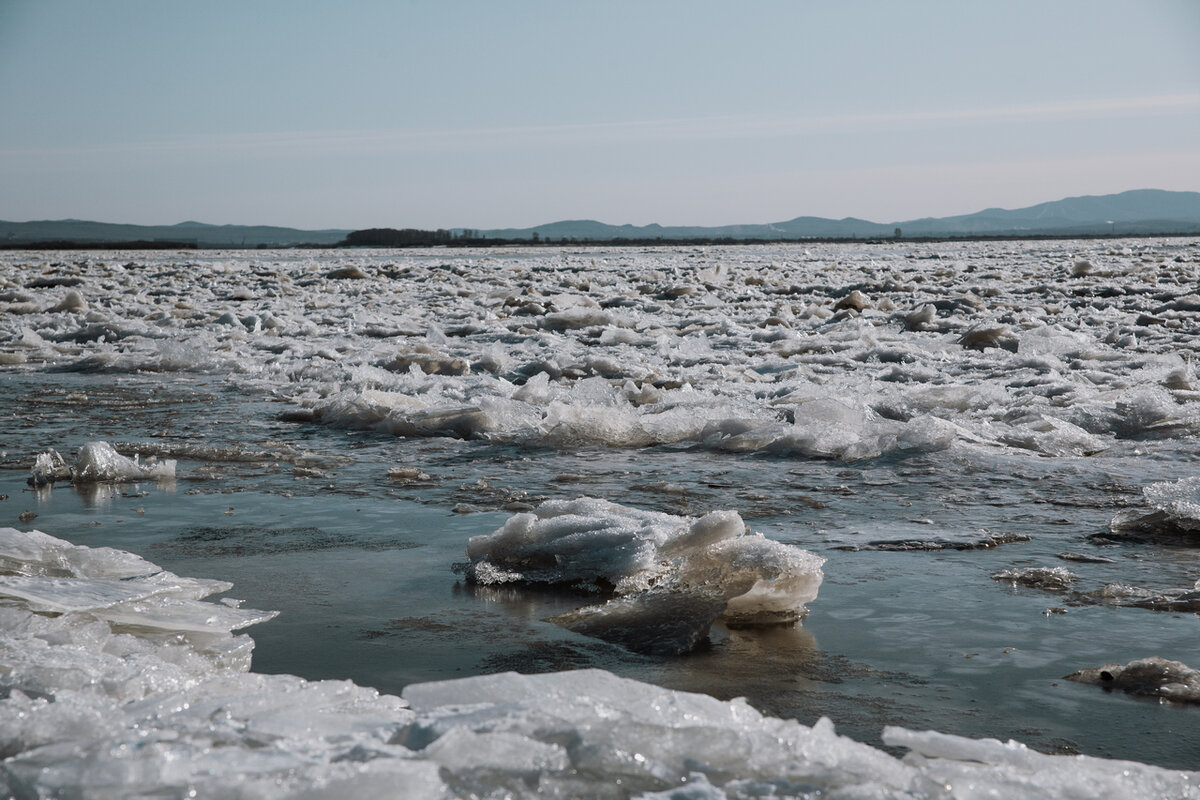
(1170,508)
(98,461)
(673,576)
(92,707)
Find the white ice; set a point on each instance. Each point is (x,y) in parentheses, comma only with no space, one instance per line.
(673,576)
(96,707)
(823,351)
(97,462)
(1172,507)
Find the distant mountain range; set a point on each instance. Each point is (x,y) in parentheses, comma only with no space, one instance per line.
(1142,211)
(193,233)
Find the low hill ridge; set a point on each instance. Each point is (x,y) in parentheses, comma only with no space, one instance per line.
(1135,212)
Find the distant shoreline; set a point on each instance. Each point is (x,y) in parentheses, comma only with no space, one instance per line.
(135,245)
(580,243)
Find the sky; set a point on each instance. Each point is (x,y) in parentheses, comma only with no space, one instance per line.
(484,114)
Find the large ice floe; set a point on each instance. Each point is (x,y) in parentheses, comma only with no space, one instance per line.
(669,577)
(117,679)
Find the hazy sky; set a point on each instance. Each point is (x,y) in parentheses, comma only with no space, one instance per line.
(490,114)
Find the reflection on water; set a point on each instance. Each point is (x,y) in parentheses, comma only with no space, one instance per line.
(100,495)
(752,662)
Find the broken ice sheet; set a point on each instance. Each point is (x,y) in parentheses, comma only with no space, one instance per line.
(89,710)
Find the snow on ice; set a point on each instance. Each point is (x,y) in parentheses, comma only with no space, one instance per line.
(672,576)
(828,351)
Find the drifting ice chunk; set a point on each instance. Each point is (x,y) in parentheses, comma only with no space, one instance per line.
(1054,579)
(585,542)
(97,461)
(1172,509)
(674,575)
(49,467)
(1181,599)
(1153,676)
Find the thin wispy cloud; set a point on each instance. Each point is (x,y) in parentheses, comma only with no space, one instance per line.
(726,127)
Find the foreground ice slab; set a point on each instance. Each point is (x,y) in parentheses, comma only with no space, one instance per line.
(672,576)
(152,704)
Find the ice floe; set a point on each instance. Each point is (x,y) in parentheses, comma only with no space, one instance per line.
(1171,508)
(96,462)
(1054,579)
(1121,595)
(671,576)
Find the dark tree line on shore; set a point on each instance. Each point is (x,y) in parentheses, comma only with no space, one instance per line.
(391,237)
(412,237)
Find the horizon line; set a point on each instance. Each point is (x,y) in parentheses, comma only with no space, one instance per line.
(597,221)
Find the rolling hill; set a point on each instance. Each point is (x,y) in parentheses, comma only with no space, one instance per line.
(1137,212)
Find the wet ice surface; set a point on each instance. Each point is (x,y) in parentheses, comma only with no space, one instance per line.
(339,440)
(143,689)
(670,577)
(1156,677)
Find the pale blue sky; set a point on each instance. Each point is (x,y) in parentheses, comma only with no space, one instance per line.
(491,114)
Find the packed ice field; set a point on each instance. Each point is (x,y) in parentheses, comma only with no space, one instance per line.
(691,441)
(843,352)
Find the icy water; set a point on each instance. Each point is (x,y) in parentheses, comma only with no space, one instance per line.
(928,418)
